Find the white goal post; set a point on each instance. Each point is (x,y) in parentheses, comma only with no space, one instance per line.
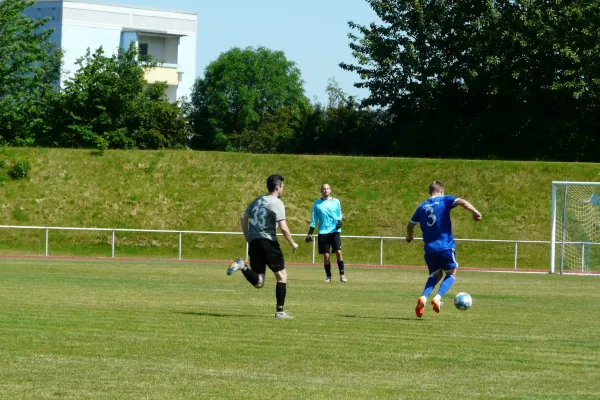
(575,236)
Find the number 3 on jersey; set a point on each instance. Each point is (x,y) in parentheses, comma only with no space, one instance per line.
(430,216)
(258,217)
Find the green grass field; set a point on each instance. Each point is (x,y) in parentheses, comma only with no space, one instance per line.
(168,330)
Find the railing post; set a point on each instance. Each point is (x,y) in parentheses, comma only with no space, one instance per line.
(112,245)
(516,253)
(582,257)
(46,247)
(179,256)
(313,251)
(247,248)
(381,252)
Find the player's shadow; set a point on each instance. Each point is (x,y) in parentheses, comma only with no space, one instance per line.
(218,315)
(364,317)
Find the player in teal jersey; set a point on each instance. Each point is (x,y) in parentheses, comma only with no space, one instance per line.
(327,213)
(433,216)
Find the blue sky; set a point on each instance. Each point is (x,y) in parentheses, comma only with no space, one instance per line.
(312,33)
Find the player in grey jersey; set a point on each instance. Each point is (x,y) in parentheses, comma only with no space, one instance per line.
(259,225)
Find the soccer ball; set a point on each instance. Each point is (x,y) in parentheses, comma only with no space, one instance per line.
(463,301)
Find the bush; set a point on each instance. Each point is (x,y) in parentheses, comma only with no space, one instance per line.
(2,163)
(20,169)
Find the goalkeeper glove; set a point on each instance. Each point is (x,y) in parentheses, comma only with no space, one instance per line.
(309,237)
(339,224)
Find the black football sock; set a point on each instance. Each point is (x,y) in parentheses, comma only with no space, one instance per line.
(328,270)
(341,266)
(251,276)
(280,292)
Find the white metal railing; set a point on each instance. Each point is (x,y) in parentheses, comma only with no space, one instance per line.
(516,243)
(180,233)
(114,230)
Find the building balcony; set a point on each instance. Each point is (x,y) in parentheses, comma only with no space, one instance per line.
(164,73)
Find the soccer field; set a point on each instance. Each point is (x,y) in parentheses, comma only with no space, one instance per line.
(168,330)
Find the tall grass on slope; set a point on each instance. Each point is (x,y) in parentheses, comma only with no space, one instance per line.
(208,191)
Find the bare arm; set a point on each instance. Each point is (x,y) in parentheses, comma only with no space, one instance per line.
(469,207)
(244,224)
(286,234)
(410,232)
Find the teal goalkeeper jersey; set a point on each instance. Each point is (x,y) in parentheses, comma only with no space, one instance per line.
(326,214)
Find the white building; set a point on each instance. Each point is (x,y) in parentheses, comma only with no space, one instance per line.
(168,36)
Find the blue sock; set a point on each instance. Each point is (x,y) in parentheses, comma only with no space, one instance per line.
(429,285)
(446,284)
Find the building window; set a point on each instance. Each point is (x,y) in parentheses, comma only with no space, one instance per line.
(143,51)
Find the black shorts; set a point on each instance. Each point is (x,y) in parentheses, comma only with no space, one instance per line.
(329,241)
(265,252)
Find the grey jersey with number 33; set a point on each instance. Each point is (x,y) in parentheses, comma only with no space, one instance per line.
(264,214)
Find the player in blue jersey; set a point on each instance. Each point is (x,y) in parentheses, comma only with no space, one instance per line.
(433,216)
(327,213)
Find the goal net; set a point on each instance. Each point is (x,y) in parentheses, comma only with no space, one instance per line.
(575,237)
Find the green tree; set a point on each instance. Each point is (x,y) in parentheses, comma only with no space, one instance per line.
(160,123)
(241,90)
(275,134)
(343,126)
(512,79)
(29,69)
(107,103)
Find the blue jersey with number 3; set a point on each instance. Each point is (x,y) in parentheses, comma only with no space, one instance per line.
(433,216)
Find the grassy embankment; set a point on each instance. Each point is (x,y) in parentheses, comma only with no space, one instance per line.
(207,191)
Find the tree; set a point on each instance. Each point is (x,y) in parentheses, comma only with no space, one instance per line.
(241,90)
(107,103)
(510,79)
(29,70)
(343,126)
(275,134)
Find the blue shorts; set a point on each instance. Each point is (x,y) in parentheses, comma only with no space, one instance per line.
(445,260)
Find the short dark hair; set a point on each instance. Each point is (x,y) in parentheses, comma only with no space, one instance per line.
(273,181)
(435,186)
